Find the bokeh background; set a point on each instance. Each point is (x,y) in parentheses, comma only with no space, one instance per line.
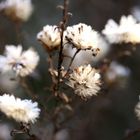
(107,116)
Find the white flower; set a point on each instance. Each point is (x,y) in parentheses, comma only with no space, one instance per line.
(117,75)
(128,31)
(6,83)
(50,37)
(84,57)
(137,109)
(21,110)
(85,80)
(23,63)
(116,71)
(17,9)
(82,36)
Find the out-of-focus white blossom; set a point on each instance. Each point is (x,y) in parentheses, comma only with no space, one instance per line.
(127,31)
(21,110)
(137,109)
(135,11)
(82,37)
(50,37)
(116,70)
(85,81)
(17,9)
(117,73)
(5,130)
(63,134)
(22,62)
(7,83)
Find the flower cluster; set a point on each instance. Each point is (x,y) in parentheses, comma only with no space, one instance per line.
(18,10)
(85,81)
(70,51)
(128,31)
(21,110)
(22,63)
(80,36)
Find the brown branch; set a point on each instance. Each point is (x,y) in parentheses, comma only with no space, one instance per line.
(72,61)
(51,65)
(62,26)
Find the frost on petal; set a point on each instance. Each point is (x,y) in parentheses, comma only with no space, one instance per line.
(127,31)
(50,37)
(17,10)
(85,81)
(21,110)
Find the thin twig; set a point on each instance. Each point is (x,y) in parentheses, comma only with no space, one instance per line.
(54,80)
(24,129)
(72,61)
(51,66)
(62,26)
